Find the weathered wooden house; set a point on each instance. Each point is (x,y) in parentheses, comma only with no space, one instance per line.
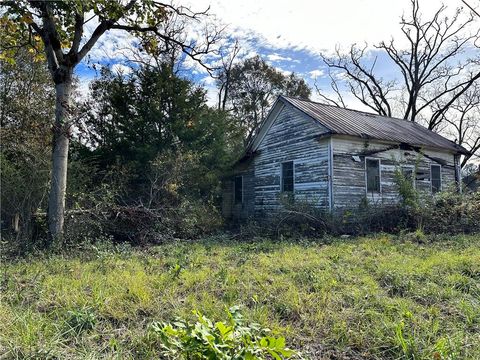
(334,158)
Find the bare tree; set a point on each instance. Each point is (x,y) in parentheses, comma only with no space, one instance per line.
(463,118)
(475,11)
(372,90)
(224,75)
(433,69)
(338,100)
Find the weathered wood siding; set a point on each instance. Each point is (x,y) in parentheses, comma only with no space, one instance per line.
(349,181)
(293,136)
(326,174)
(244,209)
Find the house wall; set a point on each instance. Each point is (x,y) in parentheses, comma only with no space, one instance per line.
(349,181)
(293,136)
(244,209)
(319,157)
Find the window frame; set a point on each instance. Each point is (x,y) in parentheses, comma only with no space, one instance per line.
(440,178)
(235,190)
(282,180)
(379,176)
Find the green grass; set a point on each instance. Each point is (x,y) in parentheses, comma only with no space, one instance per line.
(375,297)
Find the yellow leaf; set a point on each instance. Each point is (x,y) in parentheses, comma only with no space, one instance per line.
(26,19)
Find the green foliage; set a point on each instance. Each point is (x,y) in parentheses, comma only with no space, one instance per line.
(416,215)
(150,162)
(405,184)
(153,122)
(253,85)
(452,212)
(81,320)
(25,122)
(18,16)
(205,339)
(384,297)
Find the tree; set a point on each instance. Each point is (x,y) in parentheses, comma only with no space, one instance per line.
(224,76)
(469,5)
(133,119)
(251,89)
(26,109)
(432,69)
(58,29)
(463,119)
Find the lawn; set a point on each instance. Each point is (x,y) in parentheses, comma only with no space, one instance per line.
(377,297)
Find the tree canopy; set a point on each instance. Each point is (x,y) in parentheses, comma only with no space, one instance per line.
(253,85)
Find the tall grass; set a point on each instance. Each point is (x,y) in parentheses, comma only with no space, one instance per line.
(376,297)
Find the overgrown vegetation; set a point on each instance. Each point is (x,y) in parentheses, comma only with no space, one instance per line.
(448,212)
(205,339)
(384,297)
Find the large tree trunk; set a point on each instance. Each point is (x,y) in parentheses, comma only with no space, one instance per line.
(61,138)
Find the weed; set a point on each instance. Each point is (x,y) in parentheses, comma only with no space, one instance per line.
(373,297)
(81,320)
(205,339)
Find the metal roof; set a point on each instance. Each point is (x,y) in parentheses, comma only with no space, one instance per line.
(366,125)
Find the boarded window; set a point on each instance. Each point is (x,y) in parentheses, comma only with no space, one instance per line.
(373,175)
(436,178)
(238,189)
(287,176)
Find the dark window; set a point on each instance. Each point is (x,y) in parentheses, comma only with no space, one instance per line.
(238,189)
(373,175)
(287,176)
(436,178)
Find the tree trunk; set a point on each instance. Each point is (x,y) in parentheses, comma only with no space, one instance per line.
(61,138)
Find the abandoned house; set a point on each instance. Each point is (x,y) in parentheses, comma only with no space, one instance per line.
(335,158)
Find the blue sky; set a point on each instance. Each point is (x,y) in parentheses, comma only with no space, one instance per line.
(289,35)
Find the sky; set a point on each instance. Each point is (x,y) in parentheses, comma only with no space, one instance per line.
(290,35)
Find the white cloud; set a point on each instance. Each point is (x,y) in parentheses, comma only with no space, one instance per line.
(208,80)
(83,87)
(120,68)
(316,26)
(283,71)
(316,73)
(275,57)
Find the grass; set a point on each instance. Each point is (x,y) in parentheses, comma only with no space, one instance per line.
(377,297)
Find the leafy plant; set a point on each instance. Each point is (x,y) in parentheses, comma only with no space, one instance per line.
(205,339)
(81,320)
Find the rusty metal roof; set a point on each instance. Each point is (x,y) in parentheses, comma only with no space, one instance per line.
(366,125)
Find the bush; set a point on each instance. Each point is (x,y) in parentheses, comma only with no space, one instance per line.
(446,212)
(205,339)
(109,210)
(453,212)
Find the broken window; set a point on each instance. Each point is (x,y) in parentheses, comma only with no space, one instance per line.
(373,175)
(436,178)
(287,176)
(238,189)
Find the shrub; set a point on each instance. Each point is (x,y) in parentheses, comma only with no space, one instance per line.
(418,213)
(453,212)
(205,339)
